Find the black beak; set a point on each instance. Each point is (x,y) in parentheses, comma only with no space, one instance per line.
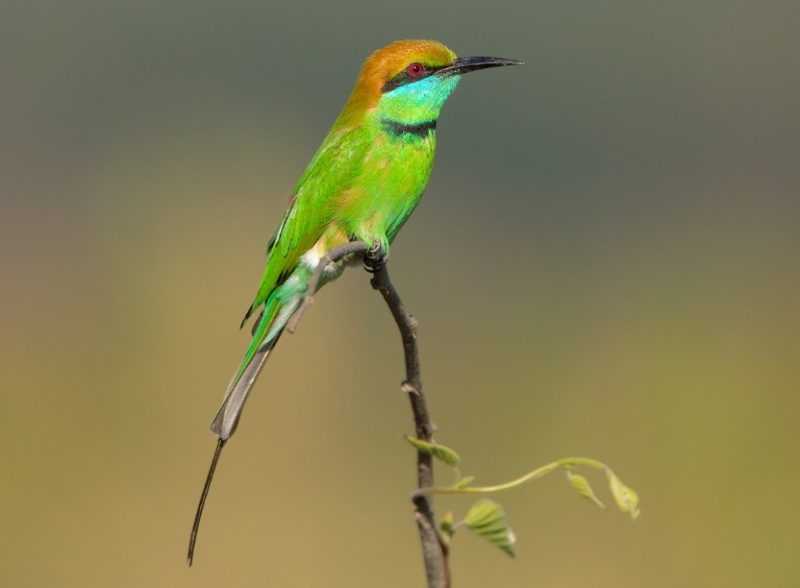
(464,65)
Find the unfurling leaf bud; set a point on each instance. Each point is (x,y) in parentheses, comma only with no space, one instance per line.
(626,498)
(583,487)
(488,519)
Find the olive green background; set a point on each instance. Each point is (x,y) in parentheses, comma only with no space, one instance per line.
(605,264)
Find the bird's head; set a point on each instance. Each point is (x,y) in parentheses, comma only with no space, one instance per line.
(409,81)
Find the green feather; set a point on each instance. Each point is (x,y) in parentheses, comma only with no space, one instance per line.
(363,183)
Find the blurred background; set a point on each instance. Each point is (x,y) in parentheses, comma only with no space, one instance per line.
(605,264)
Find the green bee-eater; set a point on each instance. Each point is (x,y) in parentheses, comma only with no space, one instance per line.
(362,184)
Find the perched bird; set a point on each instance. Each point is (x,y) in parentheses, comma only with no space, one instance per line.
(362,184)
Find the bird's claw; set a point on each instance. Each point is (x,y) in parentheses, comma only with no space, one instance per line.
(375,258)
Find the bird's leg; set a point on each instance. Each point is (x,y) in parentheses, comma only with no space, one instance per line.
(375,258)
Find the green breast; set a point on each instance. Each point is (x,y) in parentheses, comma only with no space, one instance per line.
(394,175)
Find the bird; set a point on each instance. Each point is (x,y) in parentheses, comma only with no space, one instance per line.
(362,184)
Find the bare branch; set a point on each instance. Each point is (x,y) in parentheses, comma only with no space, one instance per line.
(434,550)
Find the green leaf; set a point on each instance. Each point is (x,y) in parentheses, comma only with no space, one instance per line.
(447,525)
(583,487)
(463,482)
(440,452)
(626,498)
(488,519)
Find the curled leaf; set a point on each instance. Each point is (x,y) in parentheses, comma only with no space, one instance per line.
(583,487)
(440,452)
(626,498)
(488,519)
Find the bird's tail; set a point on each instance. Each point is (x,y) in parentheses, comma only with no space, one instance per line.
(264,339)
(277,312)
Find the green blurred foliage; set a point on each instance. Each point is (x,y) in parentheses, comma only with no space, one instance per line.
(605,264)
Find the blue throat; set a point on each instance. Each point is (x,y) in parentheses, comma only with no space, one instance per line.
(415,107)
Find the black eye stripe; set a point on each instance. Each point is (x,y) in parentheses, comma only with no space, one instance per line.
(404,77)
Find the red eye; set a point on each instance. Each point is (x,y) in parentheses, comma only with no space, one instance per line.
(415,69)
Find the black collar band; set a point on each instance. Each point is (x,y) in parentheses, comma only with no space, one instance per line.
(397,128)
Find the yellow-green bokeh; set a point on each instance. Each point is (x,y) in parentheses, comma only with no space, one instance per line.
(605,264)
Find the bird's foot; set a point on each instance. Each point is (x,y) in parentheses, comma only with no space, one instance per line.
(375,258)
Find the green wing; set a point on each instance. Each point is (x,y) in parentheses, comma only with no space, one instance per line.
(311,208)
